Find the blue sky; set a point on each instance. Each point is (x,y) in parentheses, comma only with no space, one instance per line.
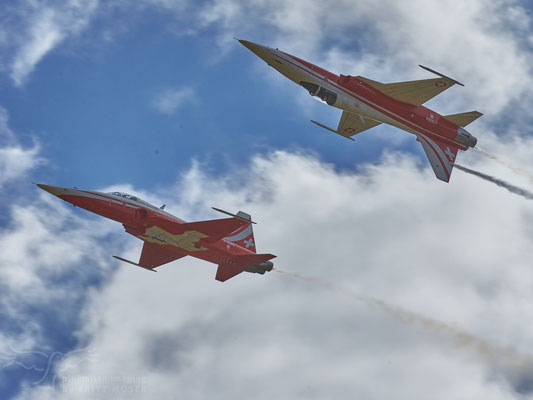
(92,105)
(157,98)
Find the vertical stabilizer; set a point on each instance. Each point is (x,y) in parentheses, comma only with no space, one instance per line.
(244,236)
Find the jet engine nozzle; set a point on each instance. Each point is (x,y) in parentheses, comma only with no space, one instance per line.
(260,268)
(465,138)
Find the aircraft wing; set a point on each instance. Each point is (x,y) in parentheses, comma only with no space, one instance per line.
(351,124)
(208,231)
(441,156)
(153,255)
(414,92)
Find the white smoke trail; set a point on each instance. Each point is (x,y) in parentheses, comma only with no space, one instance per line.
(516,367)
(499,160)
(511,188)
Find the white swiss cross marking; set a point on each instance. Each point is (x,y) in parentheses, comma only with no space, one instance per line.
(249,243)
(449,154)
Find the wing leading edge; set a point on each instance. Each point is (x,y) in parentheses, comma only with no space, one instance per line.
(414,92)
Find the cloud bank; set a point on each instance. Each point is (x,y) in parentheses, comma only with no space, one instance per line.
(455,253)
(389,232)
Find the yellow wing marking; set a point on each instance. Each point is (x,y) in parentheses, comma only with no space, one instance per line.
(186,241)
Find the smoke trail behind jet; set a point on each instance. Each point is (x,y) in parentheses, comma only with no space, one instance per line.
(513,168)
(511,188)
(462,338)
(516,367)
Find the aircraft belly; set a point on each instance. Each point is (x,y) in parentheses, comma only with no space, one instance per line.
(296,75)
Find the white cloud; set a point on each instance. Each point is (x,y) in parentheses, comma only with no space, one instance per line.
(36,28)
(483,44)
(15,159)
(41,245)
(457,253)
(168,101)
(392,232)
(479,42)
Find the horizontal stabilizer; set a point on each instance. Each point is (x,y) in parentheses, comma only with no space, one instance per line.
(227,271)
(463,119)
(249,259)
(240,263)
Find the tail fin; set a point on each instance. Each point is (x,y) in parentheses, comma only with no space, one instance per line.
(244,236)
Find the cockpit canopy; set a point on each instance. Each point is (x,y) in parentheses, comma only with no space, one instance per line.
(134,198)
(126,196)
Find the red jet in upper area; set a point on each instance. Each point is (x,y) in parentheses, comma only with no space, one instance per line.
(228,242)
(367,103)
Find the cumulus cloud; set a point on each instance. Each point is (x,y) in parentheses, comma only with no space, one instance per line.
(49,259)
(15,159)
(455,253)
(168,101)
(33,29)
(483,44)
(390,231)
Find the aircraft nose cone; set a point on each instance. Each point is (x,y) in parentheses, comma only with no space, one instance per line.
(254,48)
(55,190)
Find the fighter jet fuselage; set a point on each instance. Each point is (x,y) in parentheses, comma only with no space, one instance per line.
(374,103)
(227,242)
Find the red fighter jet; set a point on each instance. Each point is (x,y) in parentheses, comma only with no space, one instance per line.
(366,103)
(228,242)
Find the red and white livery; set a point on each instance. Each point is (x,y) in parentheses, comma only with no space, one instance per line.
(227,242)
(367,103)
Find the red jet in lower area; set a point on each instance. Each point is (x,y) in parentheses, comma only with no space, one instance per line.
(228,242)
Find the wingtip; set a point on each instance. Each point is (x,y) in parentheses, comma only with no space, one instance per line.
(233,215)
(439,74)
